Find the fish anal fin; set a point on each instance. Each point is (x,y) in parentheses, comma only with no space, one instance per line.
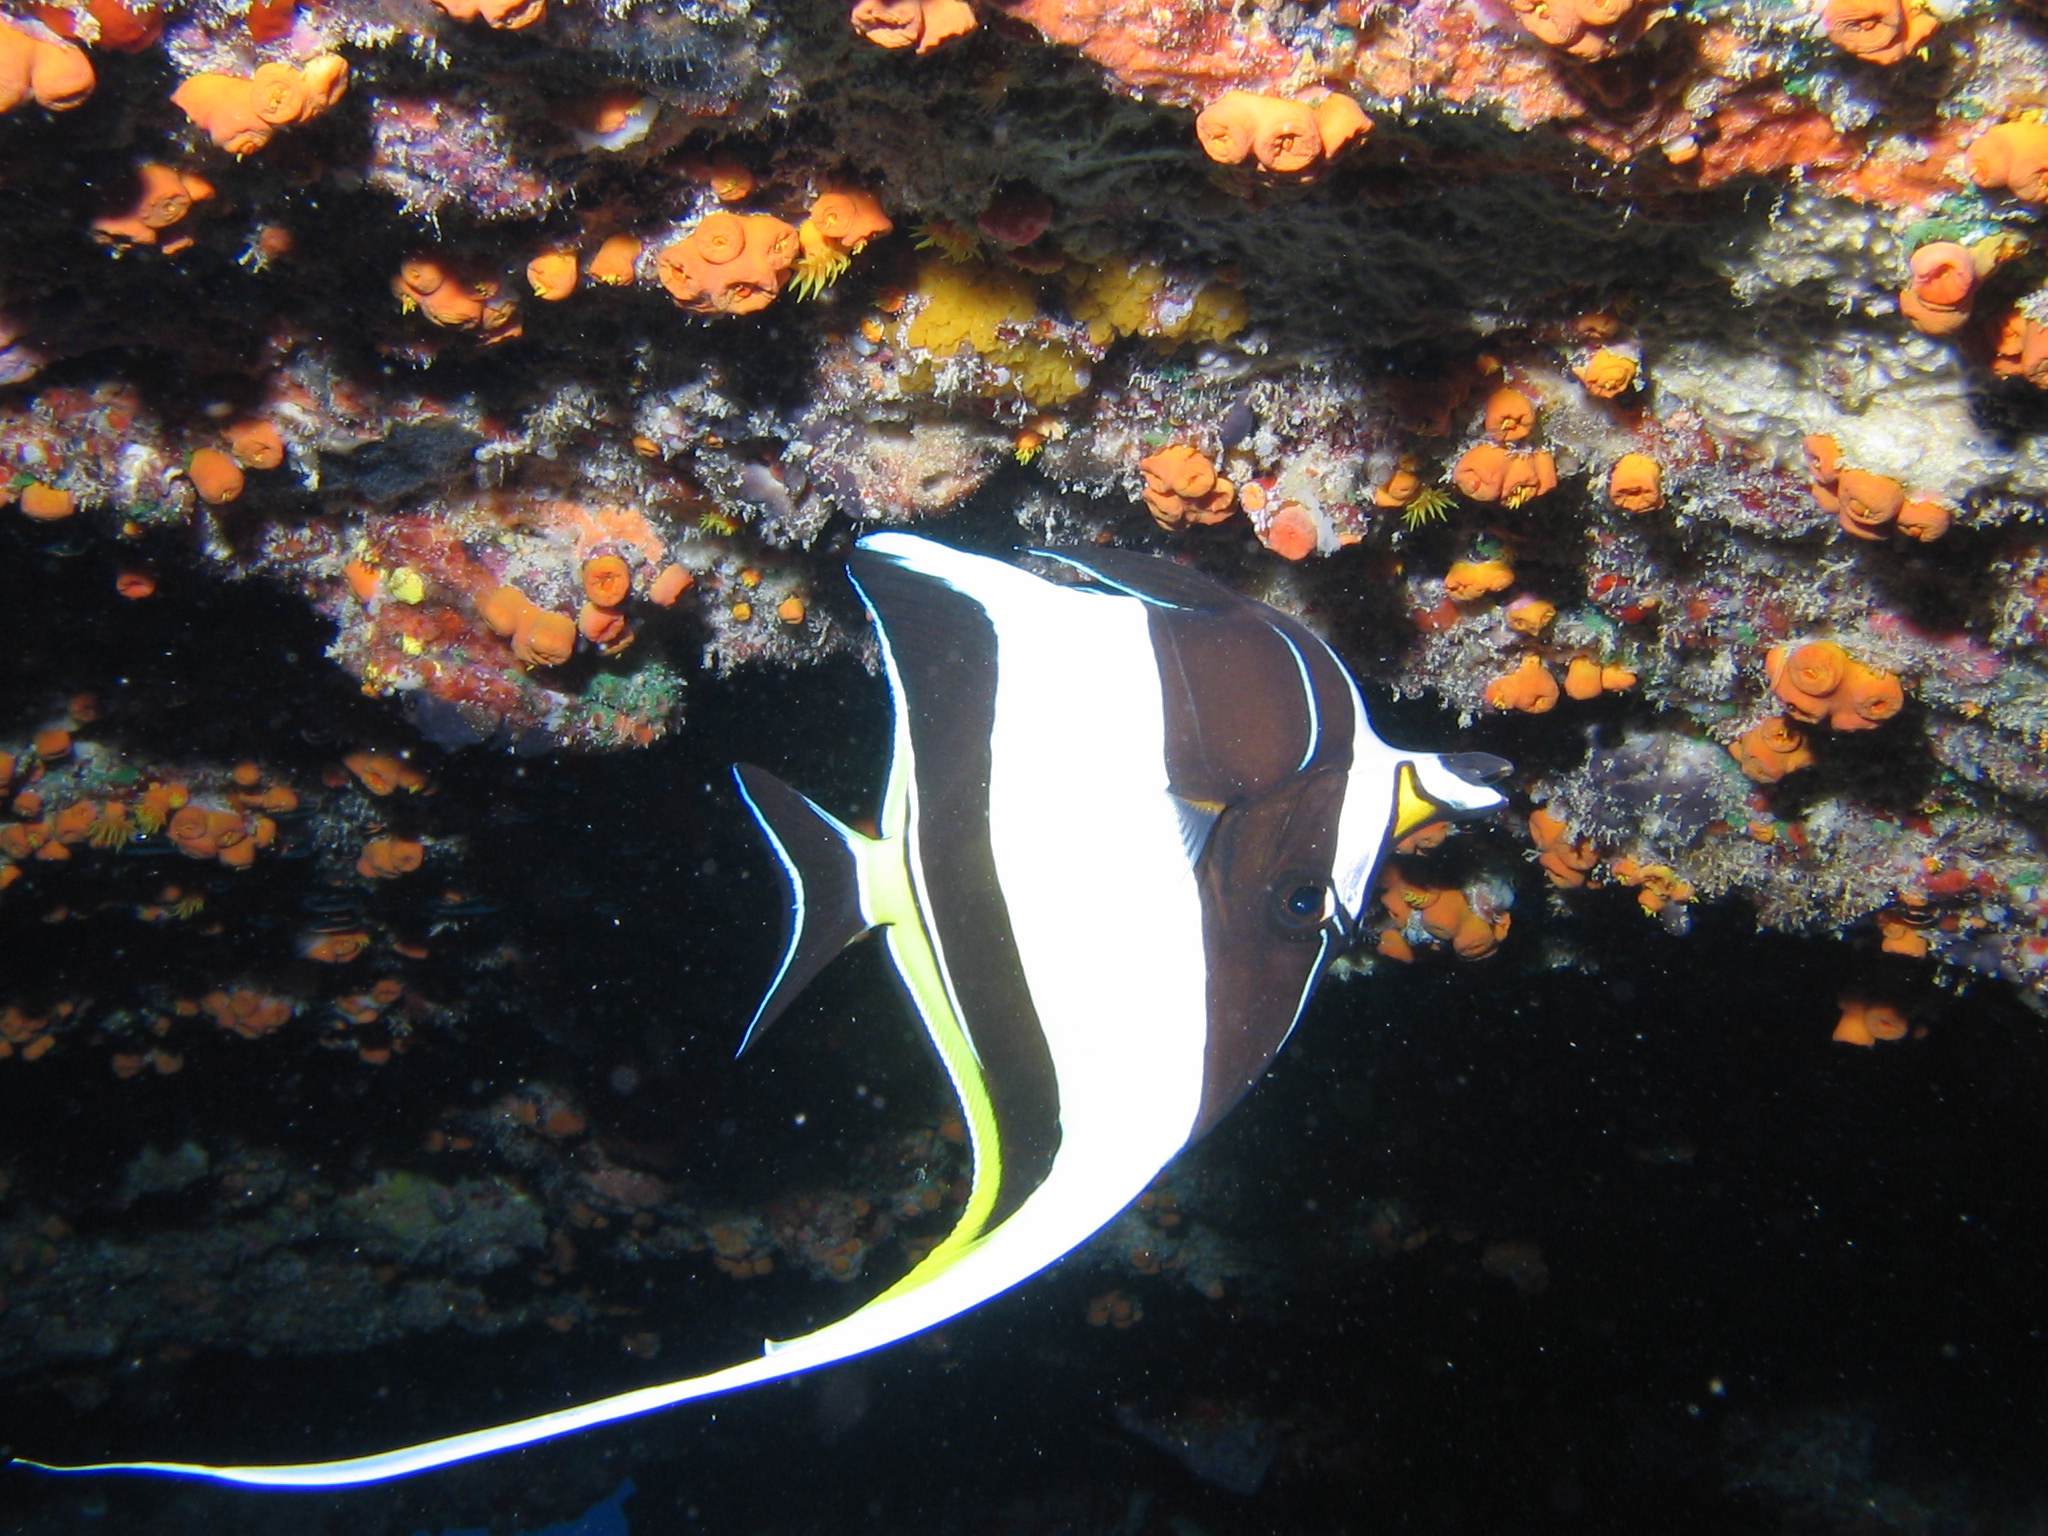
(820,863)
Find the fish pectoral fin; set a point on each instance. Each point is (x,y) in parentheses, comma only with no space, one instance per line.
(1197,820)
(819,856)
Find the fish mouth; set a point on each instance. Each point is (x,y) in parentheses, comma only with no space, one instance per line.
(1482,770)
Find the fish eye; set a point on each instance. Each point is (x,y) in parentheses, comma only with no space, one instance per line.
(1302,905)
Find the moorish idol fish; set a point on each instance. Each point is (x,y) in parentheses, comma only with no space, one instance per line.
(1129,818)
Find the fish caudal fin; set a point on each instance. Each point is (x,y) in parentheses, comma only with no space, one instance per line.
(820,862)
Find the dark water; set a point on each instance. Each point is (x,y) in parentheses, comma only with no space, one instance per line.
(1623,1243)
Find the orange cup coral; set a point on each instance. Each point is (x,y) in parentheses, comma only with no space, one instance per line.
(730,264)
(668,586)
(1467,581)
(1937,300)
(544,638)
(1278,134)
(504,15)
(1607,374)
(602,627)
(247,1012)
(1636,483)
(1510,415)
(381,774)
(1867,505)
(241,115)
(163,196)
(841,223)
(1585,678)
(1821,681)
(1771,749)
(255,443)
(1291,532)
(1489,472)
(53,75)
(1900,935)
(1879,31)
(1182,487)
(1530,688)
(2019,346)
(1446,915)
(919,24)
(1400,487)
(1531,616)
(456,297)
(607,581)
(119,27)
(616,262)
(1865,1023)
(386,858)
(1567,861)
(1657,886)
(45,503)
(1925,521)
(1585,29)
(2012,156)
(215,476)
(552,275)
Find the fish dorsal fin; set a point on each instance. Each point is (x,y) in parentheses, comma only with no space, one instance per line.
(1198,819)
(820,864)
(1150,579)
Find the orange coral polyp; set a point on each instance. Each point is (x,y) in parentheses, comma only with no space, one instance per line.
(2014,157)
(215,476)
(57,76)
(255,444)
(1584,29)
(607,581)
(1567,861)
(164,195)
(1530,688)
(602,627)
(552,275)
(46,503)
(1467,581)
(1867,505)
(615,262)
(1489,472)
(1865,1023)
(918,24)
(1291,532)
(669,584)
(1880,31)
(386,858)
(1821,681)
(1280,135)
(378,772)
(730,264)
(544,638)
(278,94)
(1771,749)
(1636,484)
(1607,374)
(1182,487)
(1937,300)
(849,218)
(503,15)
(503,609)
(1510,415)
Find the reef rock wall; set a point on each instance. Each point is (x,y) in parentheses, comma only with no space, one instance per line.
(1662,384)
